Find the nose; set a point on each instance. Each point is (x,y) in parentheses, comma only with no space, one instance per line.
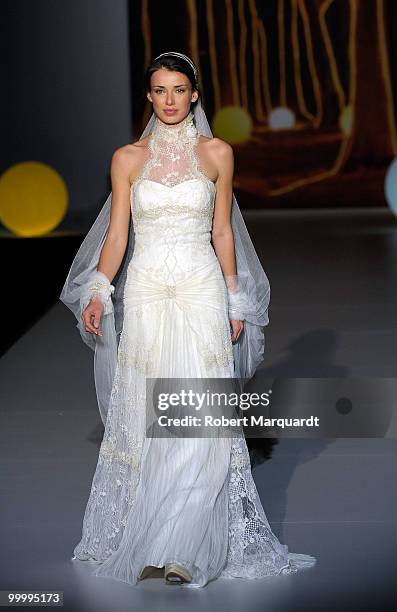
(170,98)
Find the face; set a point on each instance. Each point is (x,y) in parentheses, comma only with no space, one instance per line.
(171,91)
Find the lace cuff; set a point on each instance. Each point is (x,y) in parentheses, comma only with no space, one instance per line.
(237,297)
(98,288)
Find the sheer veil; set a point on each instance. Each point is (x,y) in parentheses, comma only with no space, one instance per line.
(248,350)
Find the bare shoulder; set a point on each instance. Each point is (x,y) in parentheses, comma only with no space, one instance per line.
(216,157)
(215,143)
(217,147)
(128,159)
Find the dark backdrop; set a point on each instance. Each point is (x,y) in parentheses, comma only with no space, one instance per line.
(66,97)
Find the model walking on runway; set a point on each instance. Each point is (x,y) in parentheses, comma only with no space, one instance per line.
(167,284)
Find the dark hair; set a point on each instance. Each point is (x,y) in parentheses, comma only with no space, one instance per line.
(175,63)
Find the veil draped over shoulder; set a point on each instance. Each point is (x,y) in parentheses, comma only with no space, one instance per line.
(247,351)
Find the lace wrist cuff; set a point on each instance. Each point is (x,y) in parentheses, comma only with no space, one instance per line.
(98,288)
(237,297)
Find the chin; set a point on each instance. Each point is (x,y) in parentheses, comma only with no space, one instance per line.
(171,117)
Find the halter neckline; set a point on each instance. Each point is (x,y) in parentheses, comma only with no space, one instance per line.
(180,132)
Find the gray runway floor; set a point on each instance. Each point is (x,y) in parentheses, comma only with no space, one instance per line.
(333,315)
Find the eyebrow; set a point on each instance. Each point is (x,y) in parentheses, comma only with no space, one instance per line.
(182,85)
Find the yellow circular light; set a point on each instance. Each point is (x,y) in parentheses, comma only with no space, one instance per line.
(233,124)
(33,198)
(346,120)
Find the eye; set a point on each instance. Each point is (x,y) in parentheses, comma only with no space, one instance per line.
(161,91)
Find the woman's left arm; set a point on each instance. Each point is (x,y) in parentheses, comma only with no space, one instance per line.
(222,232)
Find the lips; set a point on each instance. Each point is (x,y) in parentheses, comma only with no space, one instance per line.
(170,111)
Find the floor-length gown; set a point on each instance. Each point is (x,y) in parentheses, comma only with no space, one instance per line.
(187,500)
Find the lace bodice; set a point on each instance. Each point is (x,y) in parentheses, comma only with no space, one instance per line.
(173,153)
(172,203)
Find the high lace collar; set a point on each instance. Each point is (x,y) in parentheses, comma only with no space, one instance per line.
(181,132)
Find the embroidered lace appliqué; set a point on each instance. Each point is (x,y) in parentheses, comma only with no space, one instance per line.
(254,551)
(173,154)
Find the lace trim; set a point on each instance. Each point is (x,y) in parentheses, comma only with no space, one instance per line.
(170,209)
(219,352)
(173,157)
(135,355)
(117,472)
(254,551)
(178,133)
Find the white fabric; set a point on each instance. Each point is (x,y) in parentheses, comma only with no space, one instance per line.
(99,288)
(238,297)
(192,501)
(248,351)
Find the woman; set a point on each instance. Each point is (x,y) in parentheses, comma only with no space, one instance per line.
(184,308)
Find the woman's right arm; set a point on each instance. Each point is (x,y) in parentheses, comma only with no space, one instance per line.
(123,162)
(116,242)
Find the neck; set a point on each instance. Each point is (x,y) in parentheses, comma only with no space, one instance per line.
(176,132)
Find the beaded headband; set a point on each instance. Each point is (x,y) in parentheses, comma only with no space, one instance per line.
(177,54)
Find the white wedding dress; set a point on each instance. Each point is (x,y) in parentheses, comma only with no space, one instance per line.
(192,501)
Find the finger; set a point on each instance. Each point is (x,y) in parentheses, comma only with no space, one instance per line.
(97,329)
(96,323)
(96,320)
(89,326)
(239,333)
(94,317)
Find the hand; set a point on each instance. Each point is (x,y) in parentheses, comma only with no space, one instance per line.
(237,328)
(92,316)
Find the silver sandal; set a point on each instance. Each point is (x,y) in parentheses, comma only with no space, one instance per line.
(176,574)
